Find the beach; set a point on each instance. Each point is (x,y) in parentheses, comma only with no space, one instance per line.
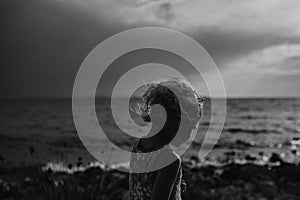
(256,157)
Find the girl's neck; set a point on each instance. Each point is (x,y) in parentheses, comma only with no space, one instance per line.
(151,142)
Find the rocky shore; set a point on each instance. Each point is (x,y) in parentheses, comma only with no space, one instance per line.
(233,180)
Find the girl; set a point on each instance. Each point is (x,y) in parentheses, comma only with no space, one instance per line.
(171,126)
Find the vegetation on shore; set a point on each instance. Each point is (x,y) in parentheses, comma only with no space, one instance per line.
(232,181)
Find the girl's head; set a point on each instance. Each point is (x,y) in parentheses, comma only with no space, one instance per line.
(182,109)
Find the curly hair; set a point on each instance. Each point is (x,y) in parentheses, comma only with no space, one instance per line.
(175,95)
(178,98)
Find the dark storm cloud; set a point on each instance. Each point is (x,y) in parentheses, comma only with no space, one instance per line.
(43,42)
(225,47)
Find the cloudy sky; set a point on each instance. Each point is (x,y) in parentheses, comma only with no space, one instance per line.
(255,44)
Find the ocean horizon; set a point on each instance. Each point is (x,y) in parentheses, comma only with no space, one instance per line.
(45,126)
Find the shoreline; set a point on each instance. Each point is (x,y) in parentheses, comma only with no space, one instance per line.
(204,180)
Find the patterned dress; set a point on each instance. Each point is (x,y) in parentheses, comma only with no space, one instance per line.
(141,184)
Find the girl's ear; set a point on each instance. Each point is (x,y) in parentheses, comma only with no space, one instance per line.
(158,111)
(146,116)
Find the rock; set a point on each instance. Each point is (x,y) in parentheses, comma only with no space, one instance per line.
(275,158)
(230,153)
(70,166)
(250,157)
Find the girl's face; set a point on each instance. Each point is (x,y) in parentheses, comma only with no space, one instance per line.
(186,128)
(158,117)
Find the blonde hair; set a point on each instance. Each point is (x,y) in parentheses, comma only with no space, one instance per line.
(177,97)
(171,93)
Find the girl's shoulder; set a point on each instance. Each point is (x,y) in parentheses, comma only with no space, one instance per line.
(168,157)
(135,146)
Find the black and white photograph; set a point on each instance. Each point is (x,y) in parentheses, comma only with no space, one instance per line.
(150,100)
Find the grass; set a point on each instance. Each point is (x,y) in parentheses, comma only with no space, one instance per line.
(226,182)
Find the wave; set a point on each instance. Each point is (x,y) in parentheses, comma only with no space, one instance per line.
(251,131)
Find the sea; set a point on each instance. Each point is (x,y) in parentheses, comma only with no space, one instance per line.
(42,130)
